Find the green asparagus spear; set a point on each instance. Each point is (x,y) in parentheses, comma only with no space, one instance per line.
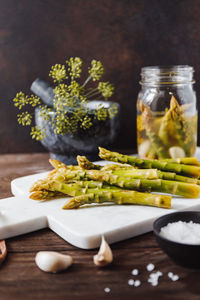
(175,177)
(98,189)
(184,135)
(66,188)
(57,165)
(158,185)
(156,143)
(129,171)
(85,164)
(120,197)
(167,130)
(184,160)
(46,195)
(138,173)
(187,170)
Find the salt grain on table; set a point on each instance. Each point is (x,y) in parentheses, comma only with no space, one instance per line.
(135,272)
(170,274)
(130,282)
(137,283)
(150,267)
(153,278)
(173,277)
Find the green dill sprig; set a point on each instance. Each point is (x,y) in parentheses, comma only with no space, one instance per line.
(70,96)
(58,73)
(21,100)
(113,110)
(101,113)
(37,133)
(44,112)
(96,70)
(74,67)
(106,89)
(86,122)
(24,118)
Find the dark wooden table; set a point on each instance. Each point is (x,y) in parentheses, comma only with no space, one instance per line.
(21,279)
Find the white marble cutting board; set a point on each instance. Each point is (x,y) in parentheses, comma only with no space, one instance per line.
(82,227)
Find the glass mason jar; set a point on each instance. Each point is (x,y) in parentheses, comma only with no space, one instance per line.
(166,113)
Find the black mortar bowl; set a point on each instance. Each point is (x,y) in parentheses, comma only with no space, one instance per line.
(66,147)
(185,255)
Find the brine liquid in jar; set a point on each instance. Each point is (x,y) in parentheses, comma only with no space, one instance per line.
(166,113)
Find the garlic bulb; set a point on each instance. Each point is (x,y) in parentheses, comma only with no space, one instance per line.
(176,152)
(104,256)
(49,261)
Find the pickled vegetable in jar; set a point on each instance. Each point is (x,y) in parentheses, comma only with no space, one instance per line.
(166,113)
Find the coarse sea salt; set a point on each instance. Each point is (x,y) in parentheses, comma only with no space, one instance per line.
(173,277)
(107,290)
(131,282)
(182,232)
(154,277)
(150,267)
(137,283)
(135,272)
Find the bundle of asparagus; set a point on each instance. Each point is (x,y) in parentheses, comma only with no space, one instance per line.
(171,133)
(130,181)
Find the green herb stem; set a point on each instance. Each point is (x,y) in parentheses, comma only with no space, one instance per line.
(87,80)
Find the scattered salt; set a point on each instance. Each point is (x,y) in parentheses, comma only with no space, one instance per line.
(175,277)
(135,272)
(153,278)
(107,290)
(137,283)
(159,273)
(154,283)
(130,282)
(170,274)
(150,267)
(182,232)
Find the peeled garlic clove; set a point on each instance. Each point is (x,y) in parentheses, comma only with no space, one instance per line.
(176,152)
(104,256)
(143,149)
(49,261)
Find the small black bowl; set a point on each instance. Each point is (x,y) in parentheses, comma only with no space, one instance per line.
(185,255)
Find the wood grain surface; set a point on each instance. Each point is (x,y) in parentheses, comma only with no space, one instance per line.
(21,279)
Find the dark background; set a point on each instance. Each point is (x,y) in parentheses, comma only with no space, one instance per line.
(124,34)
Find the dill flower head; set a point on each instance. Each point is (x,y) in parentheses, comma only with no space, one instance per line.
(74,67)
(24,118)
(96,70)
(70,97)
(37,133)
(106,89)
(20,100)
(58,73)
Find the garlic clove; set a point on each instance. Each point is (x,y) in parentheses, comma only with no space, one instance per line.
(49,261)
(104,256)
(176,152)
(143,149)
